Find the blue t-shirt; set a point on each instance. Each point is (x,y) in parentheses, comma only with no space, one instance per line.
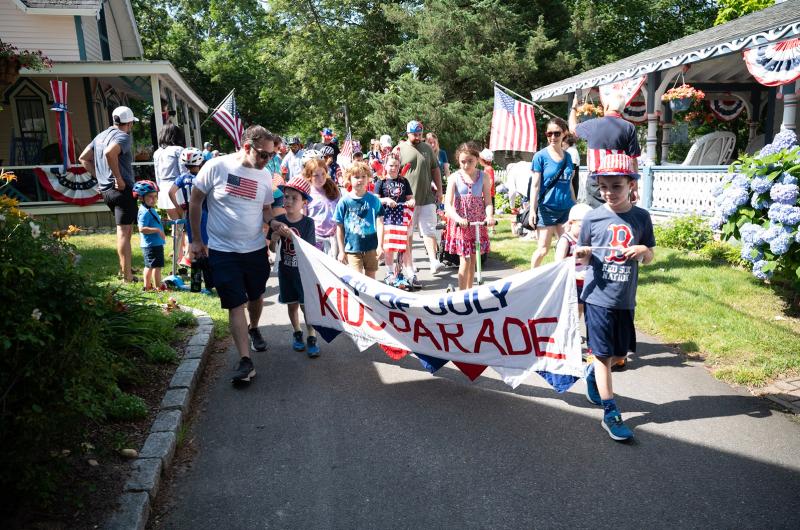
(607,135)
(184,184)
(442,160)
(113,136)
(611,280)
(359,217)
(559,196)
(207,155)
(148,217)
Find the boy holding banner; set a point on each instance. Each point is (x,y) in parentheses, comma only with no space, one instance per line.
(614,239)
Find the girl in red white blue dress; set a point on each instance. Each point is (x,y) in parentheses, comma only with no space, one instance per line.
(468,200)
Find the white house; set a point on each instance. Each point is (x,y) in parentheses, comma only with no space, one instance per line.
(96,48)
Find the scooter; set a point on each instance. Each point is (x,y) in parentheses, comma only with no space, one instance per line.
(174,281)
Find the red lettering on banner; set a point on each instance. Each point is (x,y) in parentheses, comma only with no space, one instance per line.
(323,301)
(532,323)
(395,315)
(486,334)
(452,336)
(371,323)
(510,321)
(421,331)
(345,297)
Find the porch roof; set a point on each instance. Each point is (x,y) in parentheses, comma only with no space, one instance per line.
(60,7)
(726,42)
(162,69)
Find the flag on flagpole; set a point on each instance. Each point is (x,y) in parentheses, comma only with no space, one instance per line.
(65,142)
(347,147)
(513,124)
(227,117)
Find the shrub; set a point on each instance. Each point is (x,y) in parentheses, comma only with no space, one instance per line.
(182,319)
(690,232)
(160,353)
(126,407)
(758,203)
(724,252)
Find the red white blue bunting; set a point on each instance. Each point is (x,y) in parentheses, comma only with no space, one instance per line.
(726,109)
(774,64)
(73,184)
(635,112)
(629,88)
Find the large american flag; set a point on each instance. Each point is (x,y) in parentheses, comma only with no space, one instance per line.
(227,117)
(513,124)
(395,228)
(241,187)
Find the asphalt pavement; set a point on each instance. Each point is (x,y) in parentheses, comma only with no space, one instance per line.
(356,440)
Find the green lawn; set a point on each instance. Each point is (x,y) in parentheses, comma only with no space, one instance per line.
(742,328)
(99,260)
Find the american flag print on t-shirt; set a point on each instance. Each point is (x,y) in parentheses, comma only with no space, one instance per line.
(241,187)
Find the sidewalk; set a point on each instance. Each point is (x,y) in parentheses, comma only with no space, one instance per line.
(356,440)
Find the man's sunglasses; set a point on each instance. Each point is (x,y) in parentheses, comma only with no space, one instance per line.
(263,155)
(553,133)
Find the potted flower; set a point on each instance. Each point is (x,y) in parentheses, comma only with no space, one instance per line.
(12,59)
(681,97)
(587,111)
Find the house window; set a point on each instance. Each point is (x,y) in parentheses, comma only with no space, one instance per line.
(31,117)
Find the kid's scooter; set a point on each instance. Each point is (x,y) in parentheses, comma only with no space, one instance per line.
(478,226)
(174,281)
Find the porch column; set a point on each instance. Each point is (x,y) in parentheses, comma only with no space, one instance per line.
(187,131)
(755,113)
(156,93)
(197,136)
(789,106)
(769,123)
(653,81)
(666,127)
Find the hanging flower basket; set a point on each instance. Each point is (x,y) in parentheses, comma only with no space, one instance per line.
(12,59)
(587,111)
(680,98)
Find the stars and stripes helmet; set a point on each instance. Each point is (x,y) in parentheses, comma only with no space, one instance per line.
(310,154)
(143,187)
(326,151)
(191,156)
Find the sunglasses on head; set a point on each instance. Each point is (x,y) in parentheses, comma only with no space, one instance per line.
(263,155)
(553,133)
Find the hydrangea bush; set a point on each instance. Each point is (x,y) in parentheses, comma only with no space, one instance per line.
(757,203)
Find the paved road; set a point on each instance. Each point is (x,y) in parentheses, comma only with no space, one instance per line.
(356,440)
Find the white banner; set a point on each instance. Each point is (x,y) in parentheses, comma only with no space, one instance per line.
(525,323)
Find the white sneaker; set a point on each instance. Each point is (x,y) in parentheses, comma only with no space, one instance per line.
(436,266)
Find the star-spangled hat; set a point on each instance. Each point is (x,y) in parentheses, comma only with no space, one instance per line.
(616,164)
(300,185)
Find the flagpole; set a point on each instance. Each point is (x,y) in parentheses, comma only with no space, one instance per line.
(527,100)
(217,108)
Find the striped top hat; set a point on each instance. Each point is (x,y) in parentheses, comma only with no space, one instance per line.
(300,185)
(616,164)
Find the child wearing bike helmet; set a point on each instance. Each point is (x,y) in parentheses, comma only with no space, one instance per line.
(152,237)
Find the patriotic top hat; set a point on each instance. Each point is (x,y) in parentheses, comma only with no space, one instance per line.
(616,164)
(300,185)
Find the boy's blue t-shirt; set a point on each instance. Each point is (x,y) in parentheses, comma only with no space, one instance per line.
(611,280)
(359,217)
(559,197)
(145,219)
(184,183)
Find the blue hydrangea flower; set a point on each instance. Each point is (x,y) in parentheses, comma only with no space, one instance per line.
(786,178)
(717,189)
(758,273)
(780,244)
(747,253)
(740,181)
(797,237)
(758,203)
(786,139)
(783,213)
(752,234)
(727,178)
(785,193)
(716,223)
(760,184)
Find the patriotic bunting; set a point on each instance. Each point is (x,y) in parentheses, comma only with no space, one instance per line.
(73,184)
(726,109)
(774,64)
(629,88)
(519,325)
(635,112)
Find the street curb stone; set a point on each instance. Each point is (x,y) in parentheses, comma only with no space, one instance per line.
(785,393)
(158,450)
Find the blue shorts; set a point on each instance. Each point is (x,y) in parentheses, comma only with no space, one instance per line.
(153,257)
(290,286)
(610,332)
(239,278)
(546,216)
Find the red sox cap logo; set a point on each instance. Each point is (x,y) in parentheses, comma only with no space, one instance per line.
(621,236)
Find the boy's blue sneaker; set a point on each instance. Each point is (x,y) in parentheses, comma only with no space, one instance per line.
(297,343)
(616,429)
(312,349)
(402,283)
(592,394)
(390,279)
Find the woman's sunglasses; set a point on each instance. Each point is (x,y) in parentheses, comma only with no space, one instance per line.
(553,133)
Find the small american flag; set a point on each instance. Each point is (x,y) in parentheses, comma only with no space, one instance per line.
(241,187)
(513,124)
(347,148)
(395,228)
(227,117)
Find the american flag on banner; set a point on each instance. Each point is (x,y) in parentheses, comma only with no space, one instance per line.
(347,148)
(65,142)
(395,228)
(227,117)
(241,187)
(513,124)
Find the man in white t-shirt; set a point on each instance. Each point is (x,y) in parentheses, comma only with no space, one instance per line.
(291,165)
(238,192)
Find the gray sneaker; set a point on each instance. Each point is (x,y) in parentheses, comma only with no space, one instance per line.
(244,371)
(256,340)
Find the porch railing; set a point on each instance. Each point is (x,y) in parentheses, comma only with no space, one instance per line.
(680,190)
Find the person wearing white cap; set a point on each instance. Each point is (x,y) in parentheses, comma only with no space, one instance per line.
(208,151)
(109,157)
